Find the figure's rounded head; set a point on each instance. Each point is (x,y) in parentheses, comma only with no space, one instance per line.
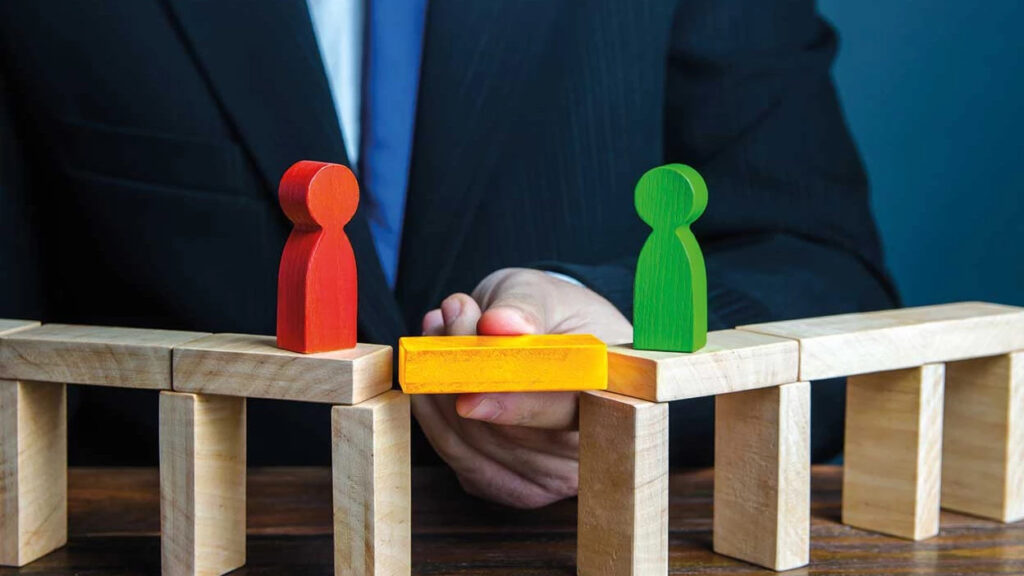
(318,194)
(670,196)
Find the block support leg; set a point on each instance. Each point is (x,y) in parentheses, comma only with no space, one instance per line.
(623,490)
(983,441)
(762,510)
(372,487)
(33,470)
(893,454)
(202,484)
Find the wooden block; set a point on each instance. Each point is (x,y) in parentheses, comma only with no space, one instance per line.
(983,437)
(670,298)
(762,511)
(33,470)
(733,360)
(461,364)
(893,452)
(202,484)
(623,491)
(850,344)
(12,326)
(372,487)
(316,283)
(100,355)
(253,367)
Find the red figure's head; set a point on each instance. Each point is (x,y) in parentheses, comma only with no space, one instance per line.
(319,195)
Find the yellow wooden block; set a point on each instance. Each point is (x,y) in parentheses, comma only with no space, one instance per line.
(463,364)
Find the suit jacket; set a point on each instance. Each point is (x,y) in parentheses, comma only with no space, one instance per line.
(142,143)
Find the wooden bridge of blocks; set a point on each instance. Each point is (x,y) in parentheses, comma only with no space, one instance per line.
(935,417)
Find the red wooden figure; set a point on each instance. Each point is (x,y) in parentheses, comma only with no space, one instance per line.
(316,284)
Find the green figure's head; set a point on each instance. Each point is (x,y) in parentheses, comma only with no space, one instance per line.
(670,196)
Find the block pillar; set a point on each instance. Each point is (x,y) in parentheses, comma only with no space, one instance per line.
(762,511)
(623,486)
(202,484)
(893,456)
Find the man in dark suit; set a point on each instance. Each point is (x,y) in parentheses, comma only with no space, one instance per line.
(141,144)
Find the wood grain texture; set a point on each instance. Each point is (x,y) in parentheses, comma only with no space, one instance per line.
(983,437)
(202,484)
(733,360)
(98,355)
(11,326)
(850,344)
(762,511)
(670,296)
(893,451)
(316,283)
(461,364)
(253,367)
(623,486)
(33,470)
(372,487)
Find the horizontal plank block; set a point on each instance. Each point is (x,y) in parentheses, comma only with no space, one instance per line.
(463,364)
(254,367)
(12,326)
(99,355)
(851,344)
(731,361)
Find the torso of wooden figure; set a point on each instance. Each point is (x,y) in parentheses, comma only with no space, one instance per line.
(670,291)
(317,283)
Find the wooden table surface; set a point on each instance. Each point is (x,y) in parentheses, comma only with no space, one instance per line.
(114,524)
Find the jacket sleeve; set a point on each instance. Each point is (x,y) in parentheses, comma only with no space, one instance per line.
(788,231)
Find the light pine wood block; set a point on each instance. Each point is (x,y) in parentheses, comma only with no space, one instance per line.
(893,457)
(12,326)
(202,484)
(530,363)
(623,490)
(731,361)
(850,344)
(762,511)
(372,487)
(254,367)
(983,437)
(100,355)
(33,470)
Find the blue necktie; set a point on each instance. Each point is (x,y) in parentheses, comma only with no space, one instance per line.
(394,45)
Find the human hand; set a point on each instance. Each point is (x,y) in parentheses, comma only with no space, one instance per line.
(518,449)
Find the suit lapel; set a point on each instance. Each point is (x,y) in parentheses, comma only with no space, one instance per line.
(477,62)
(263,65)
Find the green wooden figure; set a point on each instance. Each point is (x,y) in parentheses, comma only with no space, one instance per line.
(670,294)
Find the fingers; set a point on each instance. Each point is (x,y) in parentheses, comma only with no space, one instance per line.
(433,323)
(461,314)
(549,410)
(515,301)
(483,476)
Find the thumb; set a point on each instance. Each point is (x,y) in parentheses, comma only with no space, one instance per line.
(511,313)
(549,410)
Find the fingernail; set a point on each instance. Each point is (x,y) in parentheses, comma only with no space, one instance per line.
(486,409)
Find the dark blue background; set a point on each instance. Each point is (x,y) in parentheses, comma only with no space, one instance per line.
(934,93)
